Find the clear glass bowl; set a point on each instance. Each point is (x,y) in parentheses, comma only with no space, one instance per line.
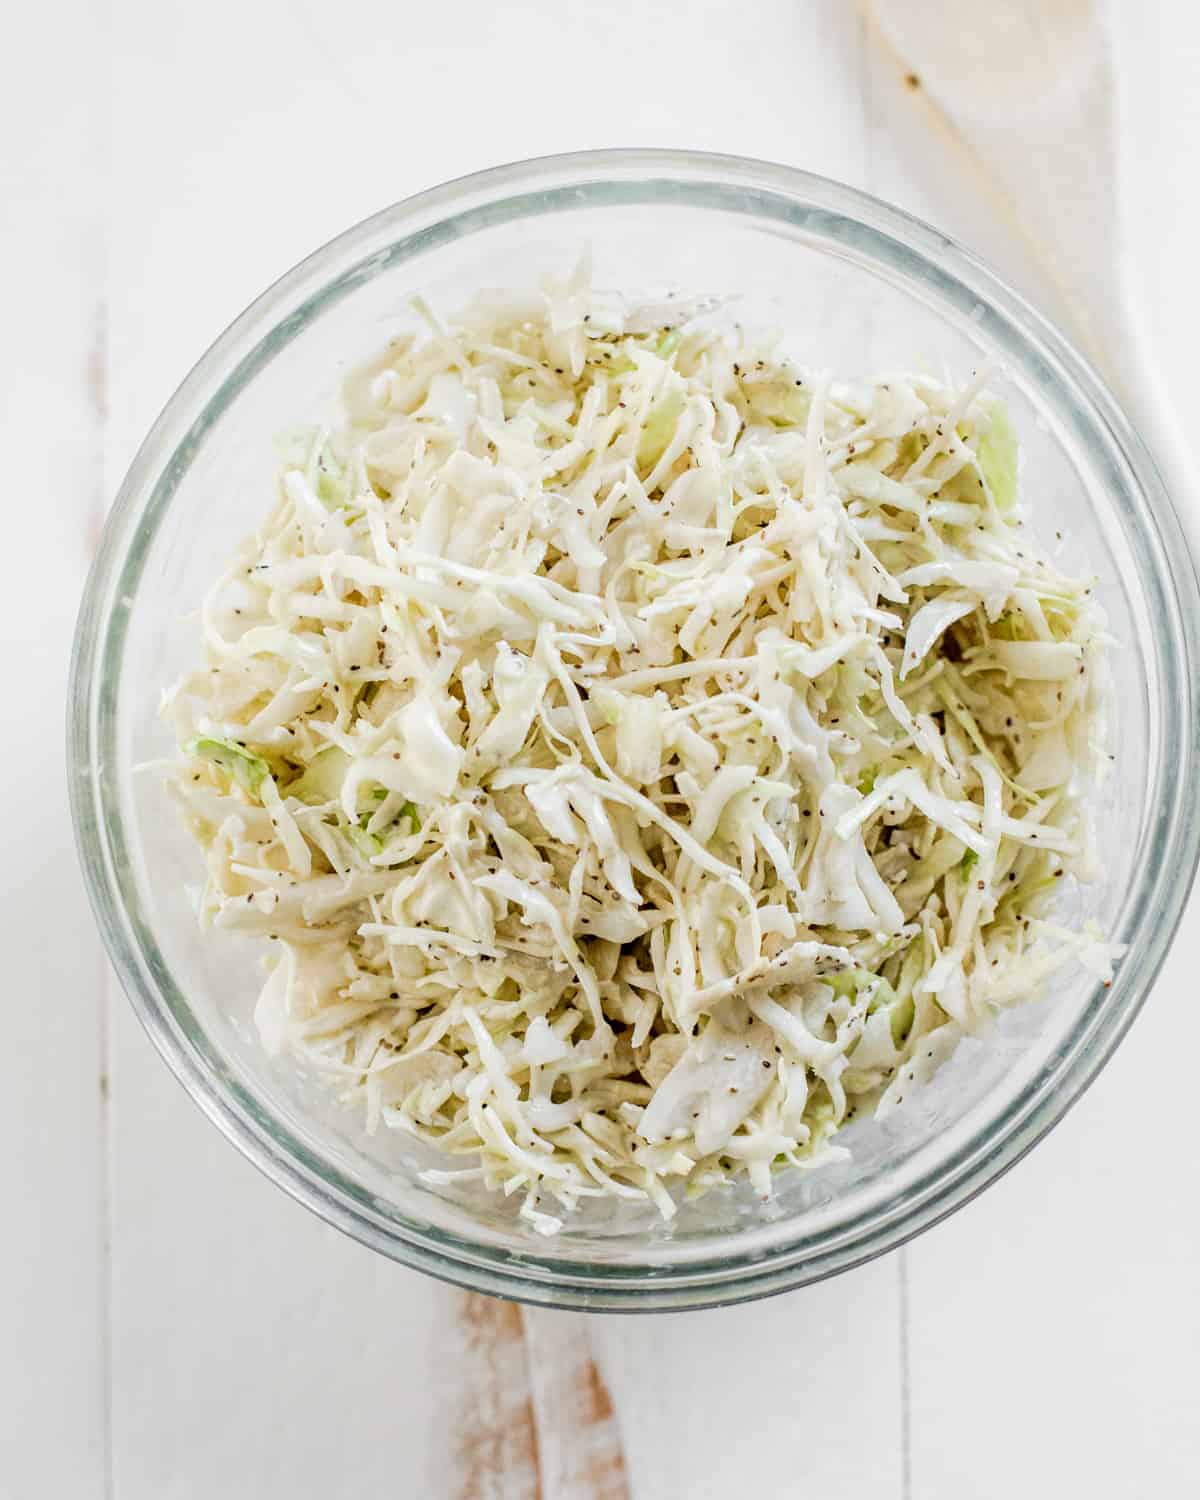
(856,285)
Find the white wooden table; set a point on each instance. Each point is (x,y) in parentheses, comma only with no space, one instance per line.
(170,1324)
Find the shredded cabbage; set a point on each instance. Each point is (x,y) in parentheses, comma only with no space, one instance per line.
(645,755)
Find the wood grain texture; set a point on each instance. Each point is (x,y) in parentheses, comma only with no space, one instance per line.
(916,162)
(494,1430)
(1024,92)
(580,1448)
(531,1414)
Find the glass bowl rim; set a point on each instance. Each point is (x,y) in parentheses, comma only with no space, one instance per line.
(902,248)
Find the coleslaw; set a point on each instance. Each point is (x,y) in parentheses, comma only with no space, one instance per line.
(643,754)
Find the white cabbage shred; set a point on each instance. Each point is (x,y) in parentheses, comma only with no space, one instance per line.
(645,755)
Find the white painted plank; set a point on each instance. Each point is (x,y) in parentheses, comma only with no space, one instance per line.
(915,162)
(1055,1322)
(238,192)
(1158,114)
(51,1248)
(796,1396)
(581,1451)
(1158,110)
(267,129)
(254,1349)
